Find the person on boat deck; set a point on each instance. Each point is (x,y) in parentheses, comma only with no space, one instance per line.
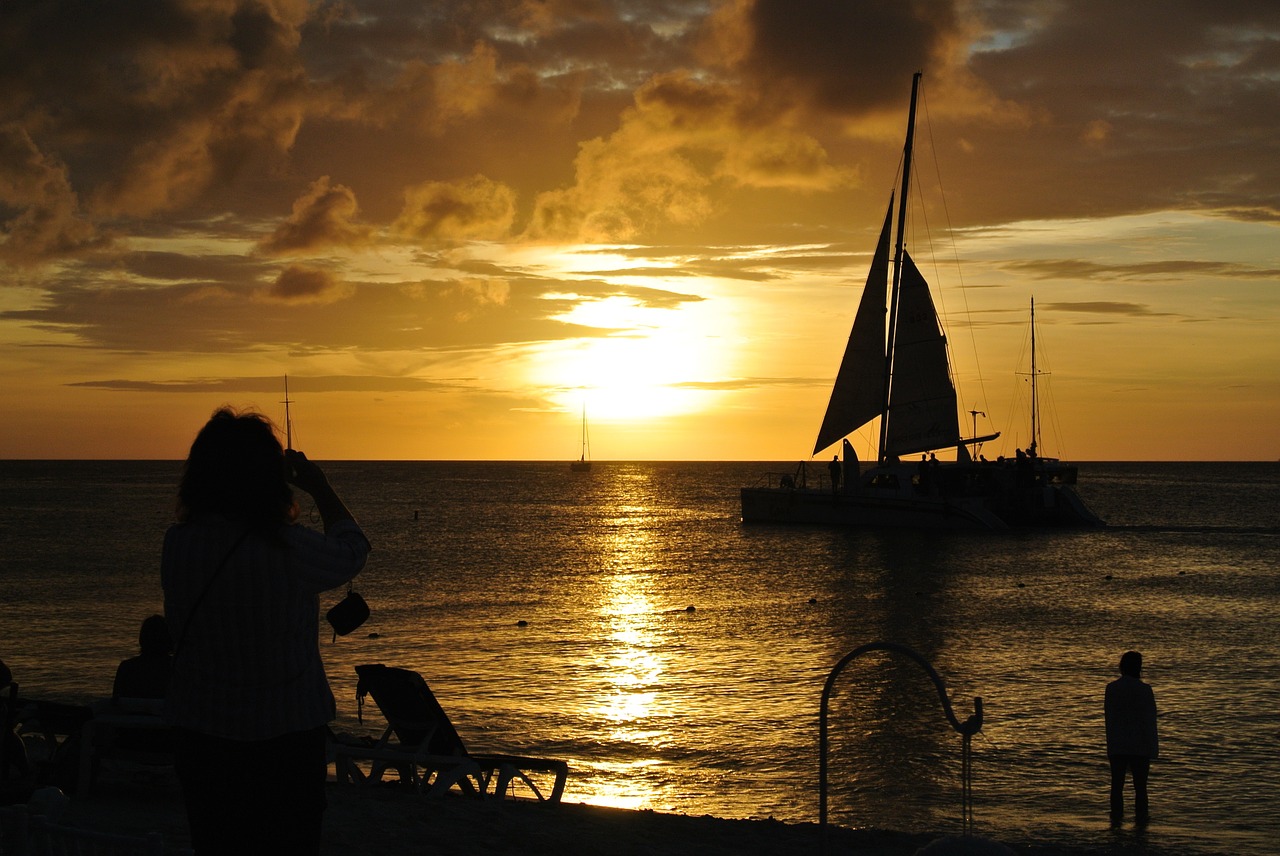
(834,469)
(146,675)
(1024,475)
(249,699)
(1132,741)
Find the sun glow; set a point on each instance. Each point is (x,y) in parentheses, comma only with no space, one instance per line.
(637,370)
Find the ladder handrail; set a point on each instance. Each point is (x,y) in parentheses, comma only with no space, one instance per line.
(966,729)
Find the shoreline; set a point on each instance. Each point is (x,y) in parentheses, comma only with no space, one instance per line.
(389,821)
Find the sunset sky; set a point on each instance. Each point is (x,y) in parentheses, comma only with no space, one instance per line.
(456,224)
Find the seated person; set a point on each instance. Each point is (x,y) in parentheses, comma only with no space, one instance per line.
(13,752)
(147,675)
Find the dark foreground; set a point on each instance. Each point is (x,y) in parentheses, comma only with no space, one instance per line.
(391,822)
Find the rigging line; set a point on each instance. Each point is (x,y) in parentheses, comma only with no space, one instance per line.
(955,253)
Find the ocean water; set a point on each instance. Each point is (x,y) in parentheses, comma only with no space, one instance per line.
(627,621)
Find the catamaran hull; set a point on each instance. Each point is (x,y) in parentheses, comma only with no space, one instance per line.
(966,497)
(1058,507)
(812,506)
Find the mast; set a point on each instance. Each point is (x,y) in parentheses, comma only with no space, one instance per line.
(288,423)
(897,265)
(1035,397)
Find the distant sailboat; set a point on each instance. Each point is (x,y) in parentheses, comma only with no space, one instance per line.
(1065,473)
(583,464)
(288,422)
(901,375)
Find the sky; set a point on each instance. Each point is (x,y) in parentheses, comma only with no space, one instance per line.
(457,226)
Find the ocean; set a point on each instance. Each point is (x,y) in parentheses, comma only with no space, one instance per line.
(626,621)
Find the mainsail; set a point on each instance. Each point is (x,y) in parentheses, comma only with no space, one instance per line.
(858,394)
(922,398)
(904,377)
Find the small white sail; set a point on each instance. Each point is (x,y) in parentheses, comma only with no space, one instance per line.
(858,394)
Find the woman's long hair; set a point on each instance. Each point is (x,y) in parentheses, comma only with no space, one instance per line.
(236,469)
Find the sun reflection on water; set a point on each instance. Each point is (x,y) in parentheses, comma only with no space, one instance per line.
(633,668)
(630,666)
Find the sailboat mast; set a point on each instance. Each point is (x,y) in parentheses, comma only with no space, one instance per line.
(897,264)
(1035,396)
(288,423)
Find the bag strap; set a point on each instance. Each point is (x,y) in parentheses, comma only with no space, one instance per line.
(191,614)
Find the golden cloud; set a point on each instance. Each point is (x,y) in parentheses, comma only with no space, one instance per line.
(681,144)
(474,293)
(476,208)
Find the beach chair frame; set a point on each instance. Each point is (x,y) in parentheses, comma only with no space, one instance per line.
(425,737)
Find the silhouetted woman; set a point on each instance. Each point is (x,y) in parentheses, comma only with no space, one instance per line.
(249,696)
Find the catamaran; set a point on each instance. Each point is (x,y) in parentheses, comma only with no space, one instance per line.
(901,374)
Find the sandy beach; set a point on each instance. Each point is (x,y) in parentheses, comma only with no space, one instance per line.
(388,821)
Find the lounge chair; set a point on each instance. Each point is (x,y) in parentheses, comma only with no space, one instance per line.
(425,738)
(432,774)
(129,735)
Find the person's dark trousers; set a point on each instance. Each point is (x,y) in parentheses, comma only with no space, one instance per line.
(1140,767)
(253,796)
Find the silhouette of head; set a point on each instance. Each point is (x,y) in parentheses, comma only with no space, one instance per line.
(154,639)
(1131,664)
(236,469)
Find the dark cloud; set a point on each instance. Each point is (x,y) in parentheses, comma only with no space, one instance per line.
(1131,108)
(172,266)
(149,103)
(1170,269)
(1105,307)
(303,284)
(843,56)
(271,384)
(1043,110)
(47,222)
(322,219)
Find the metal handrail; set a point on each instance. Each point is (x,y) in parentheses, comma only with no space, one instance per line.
(966,729)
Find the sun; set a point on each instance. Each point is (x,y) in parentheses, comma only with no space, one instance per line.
(645,369)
